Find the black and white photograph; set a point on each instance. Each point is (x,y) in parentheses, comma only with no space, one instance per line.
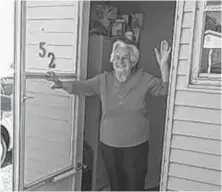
(110,95)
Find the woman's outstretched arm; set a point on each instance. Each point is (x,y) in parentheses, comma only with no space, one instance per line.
(80,87)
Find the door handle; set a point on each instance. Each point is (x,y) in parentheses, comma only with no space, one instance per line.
(26,97)
(66,174)
(63,176)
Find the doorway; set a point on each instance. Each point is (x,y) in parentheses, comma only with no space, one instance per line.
(157,24)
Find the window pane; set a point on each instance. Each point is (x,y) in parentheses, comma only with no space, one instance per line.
(211,52)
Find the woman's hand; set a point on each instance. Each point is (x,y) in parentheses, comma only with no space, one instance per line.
(51,76)
(162,56)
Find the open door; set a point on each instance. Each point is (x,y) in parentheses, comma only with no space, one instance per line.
(48,124)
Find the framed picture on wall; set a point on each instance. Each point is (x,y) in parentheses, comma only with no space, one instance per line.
(125,18)
(137,20)
(118,27)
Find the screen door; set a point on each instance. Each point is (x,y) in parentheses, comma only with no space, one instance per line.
(50,36)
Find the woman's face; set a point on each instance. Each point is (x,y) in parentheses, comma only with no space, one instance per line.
(122,64)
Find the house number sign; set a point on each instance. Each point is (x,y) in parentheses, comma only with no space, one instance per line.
(50,55)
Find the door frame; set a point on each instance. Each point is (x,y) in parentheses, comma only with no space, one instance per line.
(78,111)
(171,95)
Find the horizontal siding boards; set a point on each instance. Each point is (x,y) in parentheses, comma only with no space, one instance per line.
(197,114)
(189,6)
(49,3)
(197,129)
(196,159)
(58,26)
(187,18)
(184,51)
(212,101)
(196,144)
(183,67)
(194,173)
(51,13)
(180,184)
(185,35)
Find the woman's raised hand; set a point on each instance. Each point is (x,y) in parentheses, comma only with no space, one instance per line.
(162,56)
(51,76)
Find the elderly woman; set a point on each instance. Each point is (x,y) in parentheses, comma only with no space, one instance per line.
(124,129)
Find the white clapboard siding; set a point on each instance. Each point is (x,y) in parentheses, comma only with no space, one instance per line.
(212,101)
(188,6)
(197,129)
(48,3)
(53,12)
(53,26)
(187,18)
(195,173)
(184,51)
(185,35)
(197,114)
(196,159)
(196,144)
(183,67)
(180,184)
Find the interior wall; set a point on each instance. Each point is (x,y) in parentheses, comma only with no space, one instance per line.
(158,25)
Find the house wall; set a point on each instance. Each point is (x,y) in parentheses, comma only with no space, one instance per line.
(193,136)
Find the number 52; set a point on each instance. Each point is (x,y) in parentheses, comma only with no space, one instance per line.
(50,54)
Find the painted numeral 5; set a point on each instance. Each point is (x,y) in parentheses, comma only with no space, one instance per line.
(43,50)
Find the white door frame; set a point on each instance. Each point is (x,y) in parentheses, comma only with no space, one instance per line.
(171,95)
(19,58)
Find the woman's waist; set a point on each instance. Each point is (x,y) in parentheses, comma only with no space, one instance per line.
(125,118)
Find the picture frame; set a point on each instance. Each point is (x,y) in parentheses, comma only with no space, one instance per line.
(118,27)
(125,18)
(137,20)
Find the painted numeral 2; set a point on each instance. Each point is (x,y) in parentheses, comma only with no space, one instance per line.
(50,55)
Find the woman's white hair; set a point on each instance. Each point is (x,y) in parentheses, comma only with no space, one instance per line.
(134,52)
